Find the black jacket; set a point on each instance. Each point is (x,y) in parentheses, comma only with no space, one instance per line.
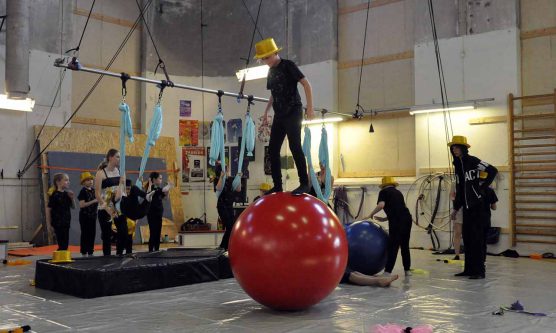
(469,193)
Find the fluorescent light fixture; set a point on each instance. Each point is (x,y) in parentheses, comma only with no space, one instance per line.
(435,108)
(320,121)
(253,73)
(26,104)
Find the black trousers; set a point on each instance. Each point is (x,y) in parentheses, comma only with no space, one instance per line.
(399,233)
(88,233)
(62,237)
(486,226)
(227,217)
(474,239)
(290,127)
(155,228)
(105,223)
(122,238)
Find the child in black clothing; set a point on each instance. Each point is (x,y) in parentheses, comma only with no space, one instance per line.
(154,215)
(59,205)
(282,80)
(399,223)
(225,204)
(133,203)
(469,199)
(88,205)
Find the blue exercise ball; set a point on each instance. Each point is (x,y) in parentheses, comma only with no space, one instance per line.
(367,244)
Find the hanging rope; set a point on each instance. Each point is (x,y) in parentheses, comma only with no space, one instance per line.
(358,106)
(76,49)
(154,133)
(217,151)
(448,130)
(126,129)
(240,94)
(323,159)
(161,63)
(247,141)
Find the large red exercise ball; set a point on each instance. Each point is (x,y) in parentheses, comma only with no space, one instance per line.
(367,243)
(288,252)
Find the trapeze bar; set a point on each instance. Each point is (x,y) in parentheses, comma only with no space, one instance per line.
(59,63)
(142,79)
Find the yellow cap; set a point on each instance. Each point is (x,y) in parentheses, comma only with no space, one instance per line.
(59,257)
(265,187)
(459,140)
(86,176)
(265,48)
(388,180)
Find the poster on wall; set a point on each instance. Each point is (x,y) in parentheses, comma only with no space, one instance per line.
(234,156)
(204,130)
(263,128)
(234,130)
(211,170)
(193,164)
(267,170)
(185,108)
(189,133)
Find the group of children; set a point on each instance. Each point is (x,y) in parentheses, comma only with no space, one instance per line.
(110,198)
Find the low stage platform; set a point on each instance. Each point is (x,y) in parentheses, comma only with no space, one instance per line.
(113,275)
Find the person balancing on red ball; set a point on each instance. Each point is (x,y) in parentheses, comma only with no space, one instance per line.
(282,80)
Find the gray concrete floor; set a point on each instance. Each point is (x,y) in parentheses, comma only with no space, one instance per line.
(433,297)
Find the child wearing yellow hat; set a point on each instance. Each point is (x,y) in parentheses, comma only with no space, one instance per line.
(88,206)
(390,199)
(282,80)
(470,199)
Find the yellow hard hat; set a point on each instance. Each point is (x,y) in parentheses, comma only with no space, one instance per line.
(483,174)
(61,257)
(86,176)
(459,140)
(265,187)
(265,48)
(388,180)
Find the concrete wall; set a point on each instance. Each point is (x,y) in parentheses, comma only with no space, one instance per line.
(306,29)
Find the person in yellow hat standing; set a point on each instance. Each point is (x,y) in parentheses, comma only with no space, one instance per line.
(399,223)
(88,206)
(282,80)
(470,197)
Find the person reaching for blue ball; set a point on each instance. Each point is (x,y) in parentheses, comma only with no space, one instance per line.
(390,199)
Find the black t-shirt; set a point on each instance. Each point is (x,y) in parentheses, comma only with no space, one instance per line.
(226,198)
(156,203)
(87,195)
(282,82)
(489,199)
(394,205)
(60,204)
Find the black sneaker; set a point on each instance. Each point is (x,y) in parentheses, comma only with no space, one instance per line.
(274,190)
(464,273)
(301,189)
